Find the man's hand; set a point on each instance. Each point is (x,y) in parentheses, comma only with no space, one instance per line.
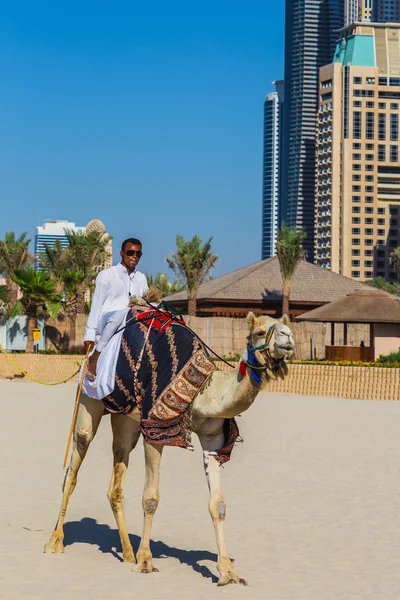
(92,363)
(88,344)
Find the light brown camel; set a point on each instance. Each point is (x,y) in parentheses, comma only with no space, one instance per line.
(226,395)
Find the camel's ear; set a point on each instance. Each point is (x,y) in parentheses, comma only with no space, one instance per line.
(285,320)
(251,319)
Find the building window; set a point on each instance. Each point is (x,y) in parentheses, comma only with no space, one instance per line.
(369,178)
(381,253)
(369,167)
(355,242)
(381,153)
(369,221)
(381,211)
(355,274)
(394,106)
(357,80)
(369,146)
(355,252)
(355,231)
(357,103)
(382,126)
(357,125)
(368,252)
(381,221)
(368,274)
(381,232)
(369,188)
(356,209)
(357,146)
(357,156)
(355,220)
(356,188)
(369,199)
(393,232)
(382,81)
(394,154)
(382,105)
(370,126)
(394,127)
(356,177)
(393,211)
(369,242)
(369,157)
(356,167)
(394,81)
(356,198)
(369,231)
(369,210)
(370,104)
(368,263)
(355,263)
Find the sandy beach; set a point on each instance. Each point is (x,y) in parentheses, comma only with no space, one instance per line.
(313,500)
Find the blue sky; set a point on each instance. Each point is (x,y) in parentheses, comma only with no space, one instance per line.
(145,115)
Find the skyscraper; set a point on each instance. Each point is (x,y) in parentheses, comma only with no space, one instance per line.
(273,113)
(358,159)
(386,11)
(357,10)
(310,37)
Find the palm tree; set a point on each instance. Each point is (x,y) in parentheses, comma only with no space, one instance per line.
(395,260)
(74,286)
(191,264)
(290,252)
(39,298)
(161,283)
(53,259)
(14,255)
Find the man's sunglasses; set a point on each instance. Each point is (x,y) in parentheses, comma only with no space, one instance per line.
(137,253)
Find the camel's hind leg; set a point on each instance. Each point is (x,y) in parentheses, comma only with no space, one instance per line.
(89,416)
(126,433)
(150,501)
(210,443)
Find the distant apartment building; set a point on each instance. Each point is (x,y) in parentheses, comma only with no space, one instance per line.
(310,37)
(53,231)
(386,11)
(272,159)
(357,10)
(357,161)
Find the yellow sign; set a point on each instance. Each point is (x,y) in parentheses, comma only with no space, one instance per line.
(36,334)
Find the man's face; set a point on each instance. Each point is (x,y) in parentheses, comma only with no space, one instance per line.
(131,255)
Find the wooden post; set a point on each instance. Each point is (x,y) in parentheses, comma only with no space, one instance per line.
(345,334)
(332,334)
(371,335)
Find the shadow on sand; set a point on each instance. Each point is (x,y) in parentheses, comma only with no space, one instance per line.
(88,531)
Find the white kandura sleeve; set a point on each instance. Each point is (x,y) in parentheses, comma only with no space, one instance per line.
(144,288)
(114,322)
(99,297)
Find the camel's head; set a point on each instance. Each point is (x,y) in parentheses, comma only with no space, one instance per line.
(270,338)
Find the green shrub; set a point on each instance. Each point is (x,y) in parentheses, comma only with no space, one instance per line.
(390,358)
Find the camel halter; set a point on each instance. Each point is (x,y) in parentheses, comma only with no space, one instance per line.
(273,364)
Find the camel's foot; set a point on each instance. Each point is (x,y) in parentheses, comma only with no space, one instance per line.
(129,557)
(55,545)
(145,563)
(230,577)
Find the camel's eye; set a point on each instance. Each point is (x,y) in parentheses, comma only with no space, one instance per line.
(262,333)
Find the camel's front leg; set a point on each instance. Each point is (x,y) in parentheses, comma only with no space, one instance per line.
(217,507)
(89,416)
(150,501)
(126,433)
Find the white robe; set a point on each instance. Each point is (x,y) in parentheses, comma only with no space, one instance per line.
(108,343)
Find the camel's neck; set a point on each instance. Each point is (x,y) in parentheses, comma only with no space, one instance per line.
(227,395)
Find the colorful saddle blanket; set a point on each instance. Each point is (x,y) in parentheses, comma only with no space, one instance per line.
(160,369)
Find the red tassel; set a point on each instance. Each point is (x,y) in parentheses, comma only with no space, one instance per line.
(242,369)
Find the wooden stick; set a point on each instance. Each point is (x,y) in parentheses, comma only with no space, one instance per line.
(75,413)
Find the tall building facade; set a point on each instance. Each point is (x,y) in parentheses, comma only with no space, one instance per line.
(358,10)
(358,168)
(310,37)
(386,11)
(272,160)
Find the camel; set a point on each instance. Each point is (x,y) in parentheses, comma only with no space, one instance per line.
(226,395)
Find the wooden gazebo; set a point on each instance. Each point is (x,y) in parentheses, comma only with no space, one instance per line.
(368,306)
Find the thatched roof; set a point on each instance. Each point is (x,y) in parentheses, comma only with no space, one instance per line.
(361,306)
(262,281)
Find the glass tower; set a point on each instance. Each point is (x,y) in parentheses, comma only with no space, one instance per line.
(310,37)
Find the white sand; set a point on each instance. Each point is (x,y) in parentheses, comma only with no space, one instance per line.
(313,501)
